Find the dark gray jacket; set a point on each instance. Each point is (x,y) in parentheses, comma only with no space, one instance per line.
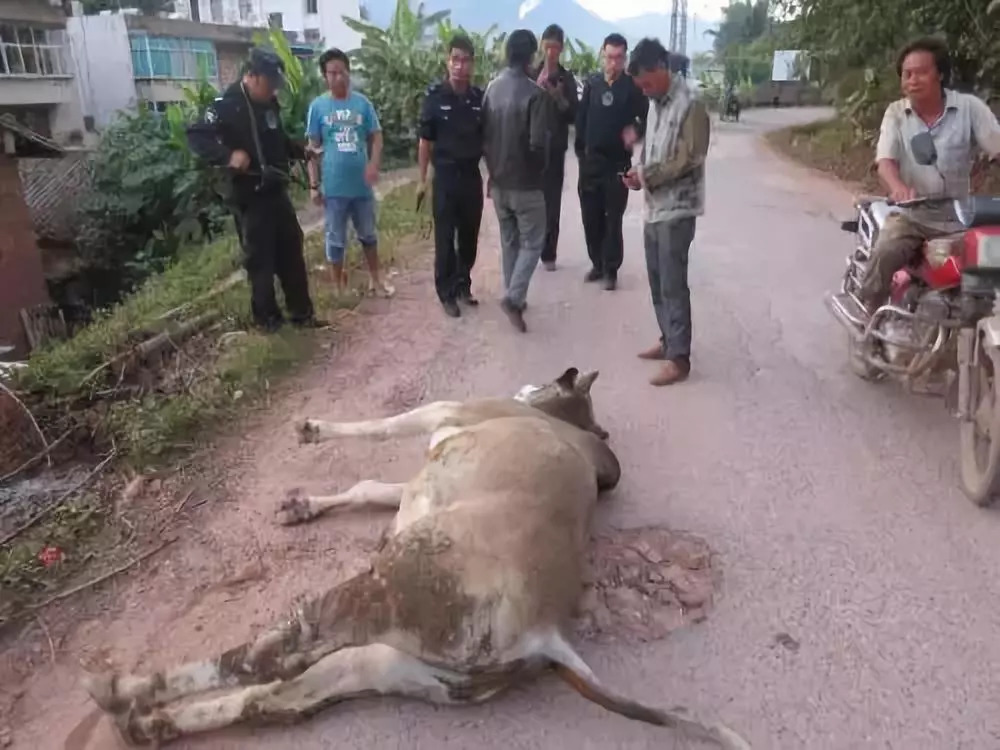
(516,120)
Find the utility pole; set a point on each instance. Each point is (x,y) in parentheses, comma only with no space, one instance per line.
(678,26)
(682,43)
(674,7)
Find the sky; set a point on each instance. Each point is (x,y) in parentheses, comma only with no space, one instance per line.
(612,10)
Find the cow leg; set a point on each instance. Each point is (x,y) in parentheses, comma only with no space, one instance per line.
(420,421)
(279,652)
(349,673)
(298,507)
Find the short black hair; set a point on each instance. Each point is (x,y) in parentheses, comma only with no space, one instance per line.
(333,53)
(614,40)
(521,47)
(648,55)
(554,32)
(936,47)
(462,43)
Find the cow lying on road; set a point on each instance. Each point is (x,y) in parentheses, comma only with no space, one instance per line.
(470,593)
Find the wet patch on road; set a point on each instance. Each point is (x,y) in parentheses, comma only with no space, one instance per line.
(644,583)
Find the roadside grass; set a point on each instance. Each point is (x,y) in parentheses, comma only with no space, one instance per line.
(151,410)
(832,146)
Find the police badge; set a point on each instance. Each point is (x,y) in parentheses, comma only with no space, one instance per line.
(607,98)
(271,119)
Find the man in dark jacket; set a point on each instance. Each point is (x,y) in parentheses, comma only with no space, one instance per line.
(516,138)
(242,130)
(560,84)
(610,118)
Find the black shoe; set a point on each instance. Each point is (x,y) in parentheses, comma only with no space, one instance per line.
(514,314)
(451,308)
(550,265)
(610,283)
(593,275)
(465,297)
(268,326)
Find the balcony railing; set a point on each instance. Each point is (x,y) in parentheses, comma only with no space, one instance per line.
(29,51)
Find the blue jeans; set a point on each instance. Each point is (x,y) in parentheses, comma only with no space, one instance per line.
(361,212)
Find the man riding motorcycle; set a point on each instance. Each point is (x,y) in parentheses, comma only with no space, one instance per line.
(958,123)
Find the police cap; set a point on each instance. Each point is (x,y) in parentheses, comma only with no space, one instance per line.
(264,62)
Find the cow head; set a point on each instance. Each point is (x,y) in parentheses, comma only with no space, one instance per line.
(566,398)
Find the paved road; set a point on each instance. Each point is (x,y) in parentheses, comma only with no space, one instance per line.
(832,502)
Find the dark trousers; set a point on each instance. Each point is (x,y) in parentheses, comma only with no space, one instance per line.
(553,205)
(458,212)
(603,199)
(271,238)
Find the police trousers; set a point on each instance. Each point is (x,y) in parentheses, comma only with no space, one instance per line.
(272,244)
(603,200)
(458,213)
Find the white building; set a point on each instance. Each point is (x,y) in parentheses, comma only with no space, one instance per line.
(313,22)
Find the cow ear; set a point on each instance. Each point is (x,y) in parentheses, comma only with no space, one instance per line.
(585,381)
(568,379)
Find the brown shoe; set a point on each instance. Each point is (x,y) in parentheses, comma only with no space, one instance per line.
(653,352)
(673,371)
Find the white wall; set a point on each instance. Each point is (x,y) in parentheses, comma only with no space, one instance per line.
(328,21)
(103,58)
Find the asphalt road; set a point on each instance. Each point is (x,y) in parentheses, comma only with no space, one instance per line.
(860,604)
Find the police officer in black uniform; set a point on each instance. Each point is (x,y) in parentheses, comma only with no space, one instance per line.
(611,116)
(242,130)
(451,134)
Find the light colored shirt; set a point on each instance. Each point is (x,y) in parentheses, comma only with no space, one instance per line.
(672,156)
(342,127)
(966,124)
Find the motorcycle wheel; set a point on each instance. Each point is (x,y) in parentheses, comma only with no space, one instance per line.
(860,366)
(979,437)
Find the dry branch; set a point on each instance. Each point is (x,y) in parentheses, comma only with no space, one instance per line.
(19,402)
(155,344)
(62,499)
(42,454)
(100,579)
(228,283)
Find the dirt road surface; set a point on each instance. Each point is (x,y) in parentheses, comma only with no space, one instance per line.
(860,605)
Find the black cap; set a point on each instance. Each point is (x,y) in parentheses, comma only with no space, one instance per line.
(265,63)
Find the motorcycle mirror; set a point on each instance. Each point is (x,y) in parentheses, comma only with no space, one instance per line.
(923,148)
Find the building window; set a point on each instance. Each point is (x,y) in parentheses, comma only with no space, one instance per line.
(32,51)
(215,6)
(246,9)
(275,20)
(312,6)
(168,57)
(312,36)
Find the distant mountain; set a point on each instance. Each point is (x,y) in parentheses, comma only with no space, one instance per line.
(577,21)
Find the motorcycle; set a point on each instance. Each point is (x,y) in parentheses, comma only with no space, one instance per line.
(942,320)
(730,108)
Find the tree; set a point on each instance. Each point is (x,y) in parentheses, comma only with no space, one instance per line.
(582,59)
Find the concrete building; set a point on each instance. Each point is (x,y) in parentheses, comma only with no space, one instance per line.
(37,85)
(126,60)
(308,22)
(22,278)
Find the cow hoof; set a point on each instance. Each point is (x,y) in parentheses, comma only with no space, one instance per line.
(308,432)
(101,689)
(295,508)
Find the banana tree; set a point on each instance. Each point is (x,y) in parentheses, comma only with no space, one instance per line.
(397,63)
(582,59)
